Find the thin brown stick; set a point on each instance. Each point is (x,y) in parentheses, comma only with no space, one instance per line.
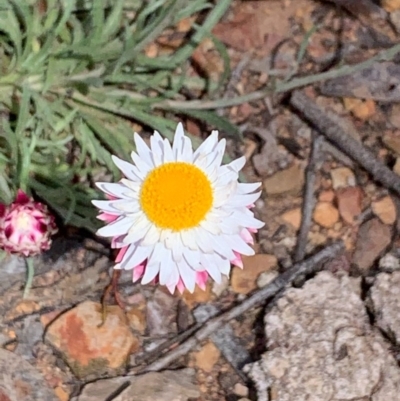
(342,140)
(308,266)
(308,199)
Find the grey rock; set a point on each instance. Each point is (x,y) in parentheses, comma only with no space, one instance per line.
(154,386)
(321,347)
(385,299)
(19,381)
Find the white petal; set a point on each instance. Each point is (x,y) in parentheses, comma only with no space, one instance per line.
(128,169)
(134,256)
(141,164)
(177,249)
(157,147)
(178,143)
(210,227)
(150,272)
(244,200)
(246,188)
(188,275)
(168,155)
(187,151)
(239,245)
(207,146)
(203,240)
(152,236)
(142,149)
(167,269)
(117,227)
(117,190)
(135,235)
(189,239)
(105,205)
(219,153)
(212,269)
(244,220)
(174,275)
(192,258)
(237,164)
(129,206)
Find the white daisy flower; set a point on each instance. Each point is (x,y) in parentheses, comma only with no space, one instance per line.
(179,216)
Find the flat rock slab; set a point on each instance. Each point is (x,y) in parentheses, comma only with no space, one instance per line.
(385,299)
(321,347)
(154,386)
(19,381)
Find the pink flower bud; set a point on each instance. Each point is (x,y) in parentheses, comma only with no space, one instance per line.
(26,226)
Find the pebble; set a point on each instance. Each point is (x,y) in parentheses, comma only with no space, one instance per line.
(349,202)
(326,196)
(207,357)
(395,20)
(392,142)
(373,238)
(240,390)
(285,182)
(325,214)
(265,278)
(342,177)
(390,5)
(293,217)
(244,280)
(88,349)
(385,210)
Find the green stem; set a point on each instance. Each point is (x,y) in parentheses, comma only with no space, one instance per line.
(29,276)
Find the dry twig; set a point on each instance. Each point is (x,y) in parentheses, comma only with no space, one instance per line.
(308,266)
(308,200)
(319,119)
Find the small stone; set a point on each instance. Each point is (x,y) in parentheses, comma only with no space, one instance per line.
(394,116)
(161,313)
(392,142)
(240,390)
(266,278)
(385,210)
(390,5)
(198,296)
(342,177)
(395,20)
(326,196)
(137,320)
(373,238)
(349,203)
(293,217)
(244,280)
(285,182)
(87,348)
(325,214)
(396,167)
(362,109)
(61,393)
(389,263)
(219,288)
(207,357)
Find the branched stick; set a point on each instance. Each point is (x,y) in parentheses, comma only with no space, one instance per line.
(308,266)
(318,118)
(308,199)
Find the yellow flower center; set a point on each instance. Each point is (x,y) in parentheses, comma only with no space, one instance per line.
(176,195)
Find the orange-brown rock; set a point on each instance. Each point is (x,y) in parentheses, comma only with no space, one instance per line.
(89,347)
(349,203)
(244,280)
(385,210)
(325,214)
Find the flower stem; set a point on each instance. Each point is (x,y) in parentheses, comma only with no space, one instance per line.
(29,276)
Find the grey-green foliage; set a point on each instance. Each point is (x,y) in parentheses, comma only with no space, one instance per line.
(73,76)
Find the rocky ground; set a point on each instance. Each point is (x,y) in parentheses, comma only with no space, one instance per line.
(331,335)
